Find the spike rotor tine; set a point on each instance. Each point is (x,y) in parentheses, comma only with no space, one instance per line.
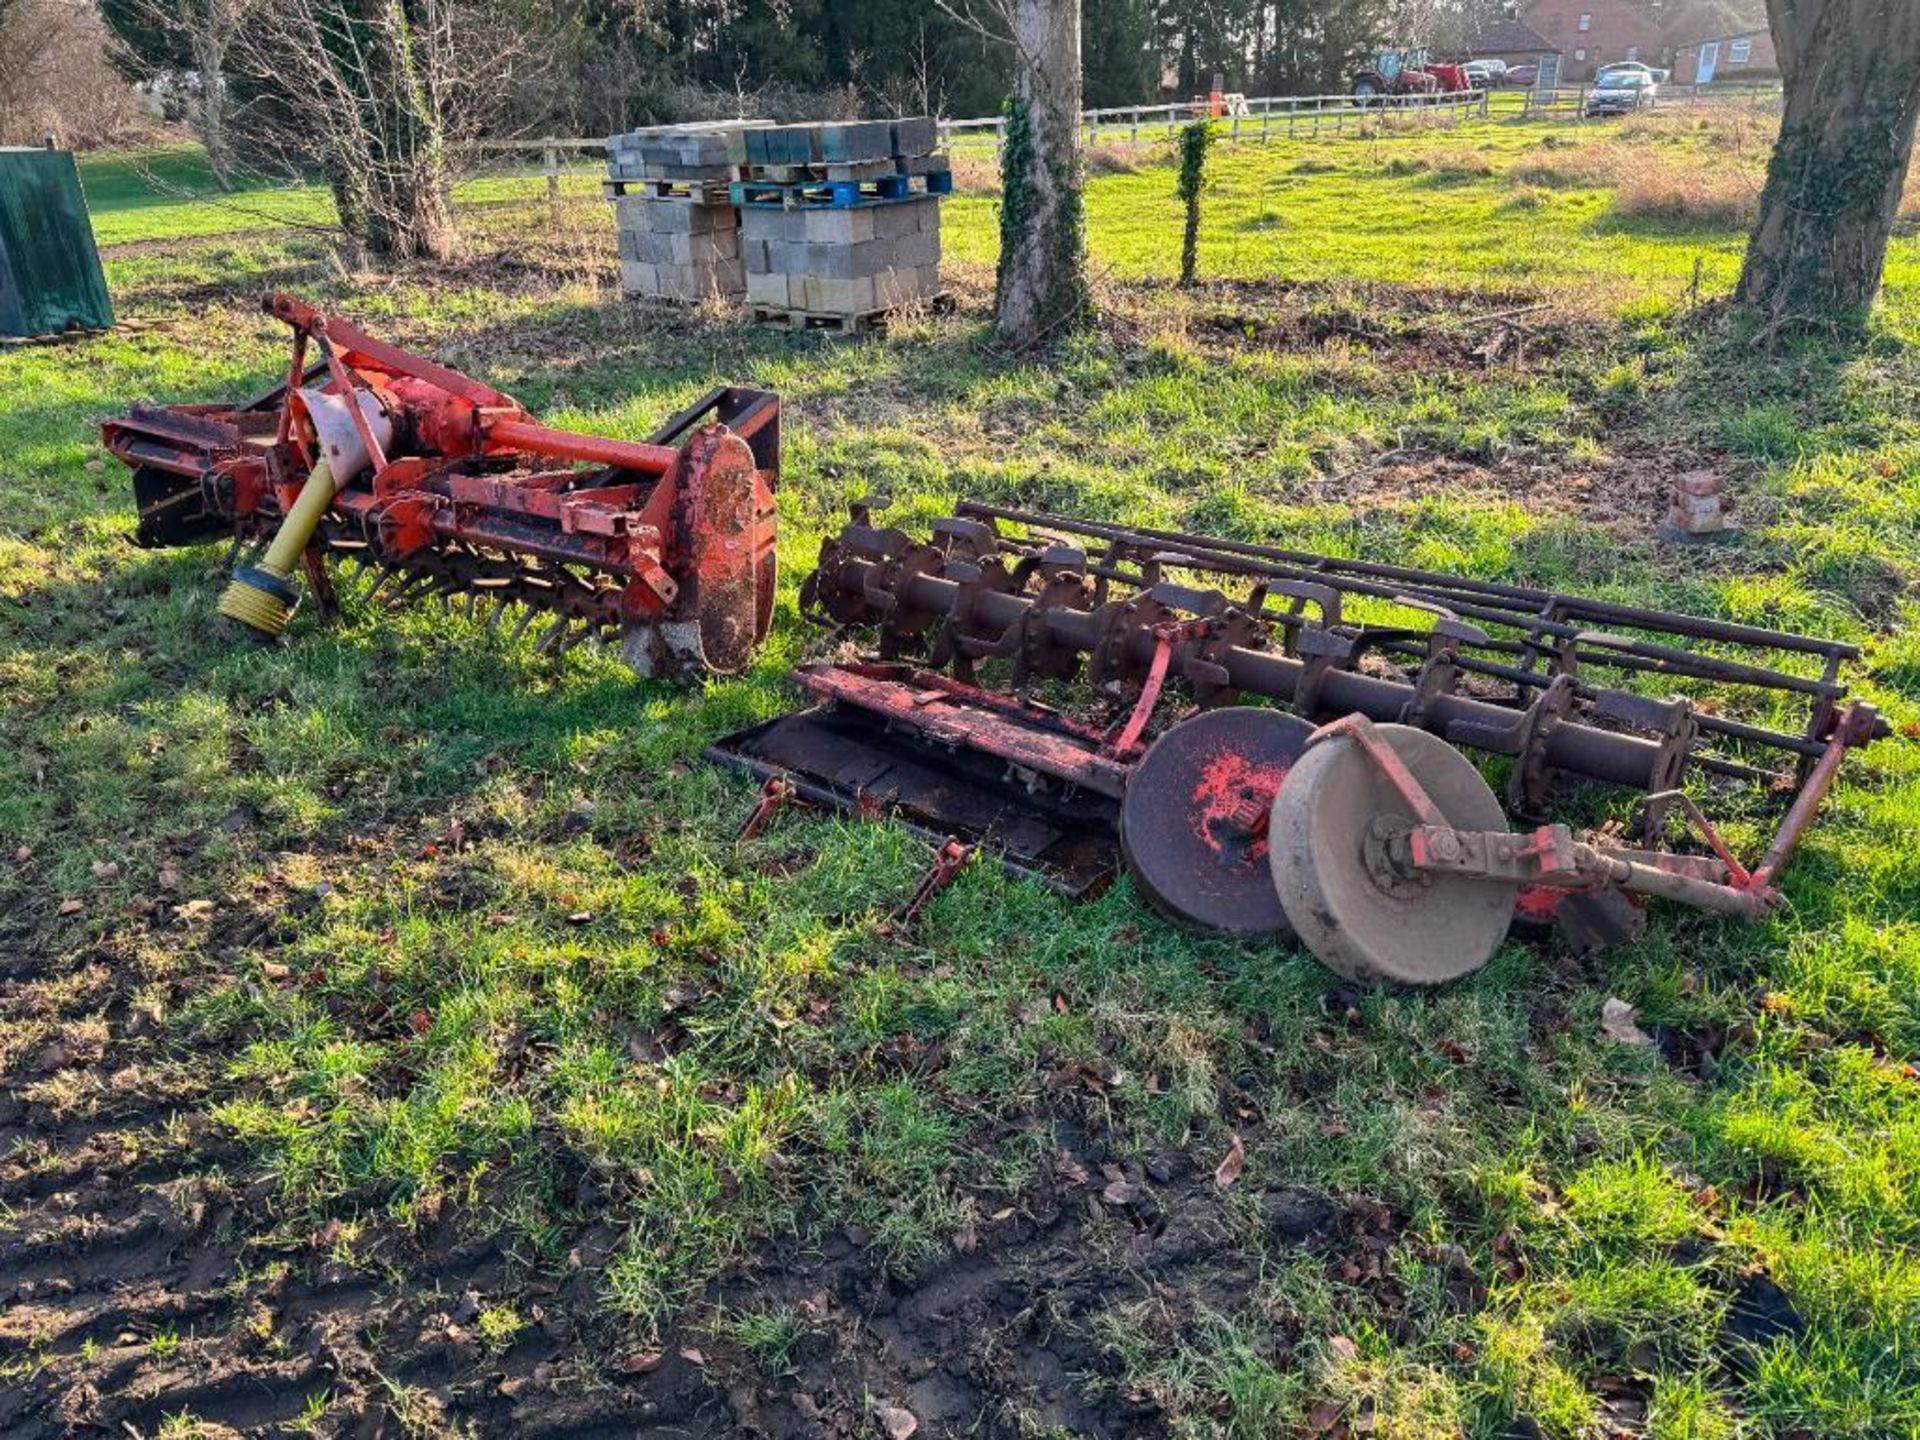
(550,638)
(412,585)
(382,580)
(527,615)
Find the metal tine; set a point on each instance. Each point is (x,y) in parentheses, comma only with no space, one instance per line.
(472,605)
(382,580)
(500,609)
(414,583)
(584,633)
(545,645)
(520,626)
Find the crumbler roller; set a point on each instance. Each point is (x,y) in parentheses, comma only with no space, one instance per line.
(1268,747)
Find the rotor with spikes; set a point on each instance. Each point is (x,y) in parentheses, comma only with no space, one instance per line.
(448,490)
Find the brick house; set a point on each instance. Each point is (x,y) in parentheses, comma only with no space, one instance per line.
(1592,33)
(1745,55)
(1512,41)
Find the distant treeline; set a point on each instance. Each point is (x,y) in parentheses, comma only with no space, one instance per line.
(1134,50)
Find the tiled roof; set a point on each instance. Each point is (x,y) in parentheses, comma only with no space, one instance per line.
(1715,20)
(1510,37)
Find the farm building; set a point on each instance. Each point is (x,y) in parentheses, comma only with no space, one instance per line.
(1747,54)
(1513,41)
(1702,42)
(1592,33)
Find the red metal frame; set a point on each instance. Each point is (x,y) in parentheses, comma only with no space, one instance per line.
(1551,859)
(672,535)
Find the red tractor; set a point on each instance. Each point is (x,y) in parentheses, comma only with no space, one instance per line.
(1407,72)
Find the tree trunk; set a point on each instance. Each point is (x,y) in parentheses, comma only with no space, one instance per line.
(412,219)
(1852,75)
(209,60)
(1042,284)
(412,211)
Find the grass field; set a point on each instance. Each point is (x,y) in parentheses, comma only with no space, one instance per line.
(397,1041)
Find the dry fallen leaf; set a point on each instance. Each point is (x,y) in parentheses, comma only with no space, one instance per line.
(642,1362)
(896,1422)
(1230,1168)
(1617,1018)
(72,907)
(1343,1349)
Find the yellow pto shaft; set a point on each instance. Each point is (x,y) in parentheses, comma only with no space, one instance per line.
(262,596)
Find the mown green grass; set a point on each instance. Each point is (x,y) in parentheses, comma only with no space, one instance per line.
(170,194)
(515,963)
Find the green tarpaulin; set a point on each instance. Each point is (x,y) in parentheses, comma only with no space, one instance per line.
(50,277)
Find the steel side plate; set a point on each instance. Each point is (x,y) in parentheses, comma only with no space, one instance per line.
(851,761)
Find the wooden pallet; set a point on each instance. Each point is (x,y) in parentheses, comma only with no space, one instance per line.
(817,174)
(887,189)
(864,322)
(694,192)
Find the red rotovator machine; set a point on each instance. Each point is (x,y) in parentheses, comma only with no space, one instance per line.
(450,489)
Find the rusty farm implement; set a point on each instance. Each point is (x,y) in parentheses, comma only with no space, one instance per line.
(450,489)
(1350,818)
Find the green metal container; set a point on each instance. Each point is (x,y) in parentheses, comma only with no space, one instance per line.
(50,278)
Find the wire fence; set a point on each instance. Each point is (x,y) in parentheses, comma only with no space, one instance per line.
(1237,119)
(1243,118)
(1572,102)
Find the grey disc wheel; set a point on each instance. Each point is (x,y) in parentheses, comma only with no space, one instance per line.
(1361,922)
(1184,823)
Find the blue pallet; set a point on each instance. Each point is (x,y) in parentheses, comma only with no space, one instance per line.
(837,194)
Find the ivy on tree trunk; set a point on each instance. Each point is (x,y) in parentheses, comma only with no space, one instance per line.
(1194,140)
(1041,287)
(1852,75)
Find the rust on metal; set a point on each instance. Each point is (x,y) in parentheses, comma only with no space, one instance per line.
(664,546)
(952,857)
(1164,629)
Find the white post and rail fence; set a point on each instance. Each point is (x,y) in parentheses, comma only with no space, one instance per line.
(1257,119)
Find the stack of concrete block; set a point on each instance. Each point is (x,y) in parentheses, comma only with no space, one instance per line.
(679,232)
(840,223)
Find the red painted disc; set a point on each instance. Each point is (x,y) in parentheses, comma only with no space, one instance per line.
(1191,825)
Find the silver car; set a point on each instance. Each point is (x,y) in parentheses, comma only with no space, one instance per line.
(1617,91)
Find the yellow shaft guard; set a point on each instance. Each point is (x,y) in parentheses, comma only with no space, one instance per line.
(248,599)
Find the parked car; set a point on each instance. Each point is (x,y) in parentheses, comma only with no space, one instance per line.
(1630,67)
(1521,76)
(1485,74)
(1620,92)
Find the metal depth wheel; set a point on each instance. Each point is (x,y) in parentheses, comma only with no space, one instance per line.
(1193,823)
(1335,822)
